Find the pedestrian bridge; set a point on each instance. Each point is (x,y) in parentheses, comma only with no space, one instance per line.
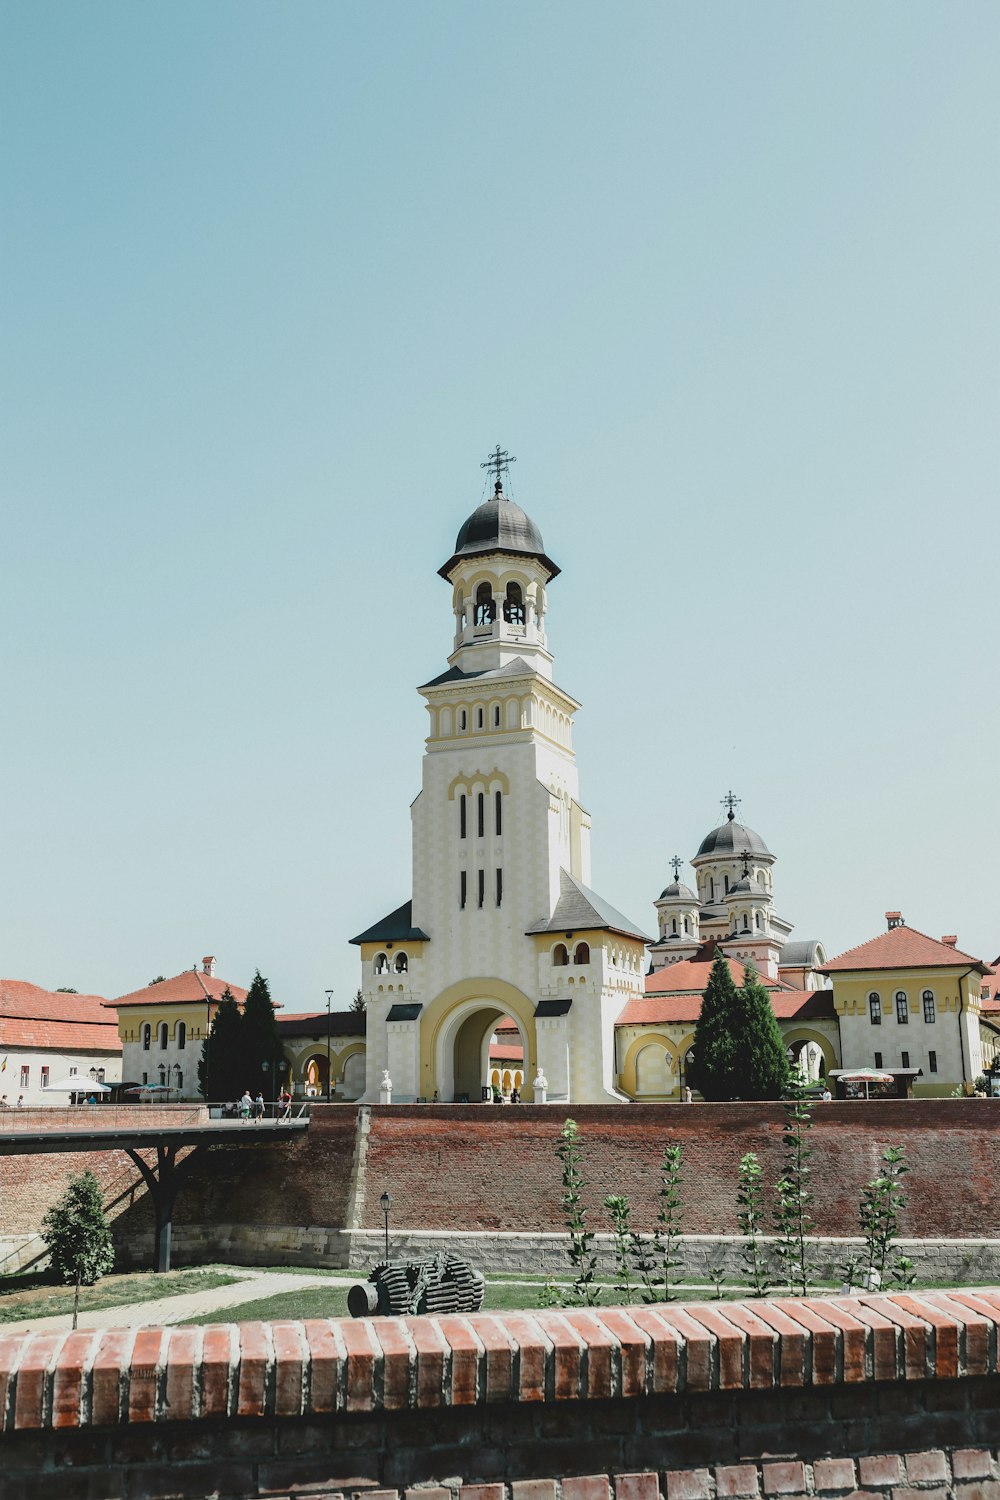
(163,1129)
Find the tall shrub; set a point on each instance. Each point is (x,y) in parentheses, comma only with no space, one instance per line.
(668,1219)
(715,1067)
(763,1061)
(582,1255)
(881,1202)
(792,1218)
(750,1198)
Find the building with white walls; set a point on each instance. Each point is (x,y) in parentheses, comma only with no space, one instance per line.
(502,925)
(47,1036)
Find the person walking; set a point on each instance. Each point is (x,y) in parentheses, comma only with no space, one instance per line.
(286,1104)
(246,1104)
(258,1108)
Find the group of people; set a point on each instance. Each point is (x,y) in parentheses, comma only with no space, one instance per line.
(5,1102)
(250,1108)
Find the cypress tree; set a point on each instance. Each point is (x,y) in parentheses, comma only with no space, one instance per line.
(220,1068)
(715,1070)
(763,1062)
(260,1040)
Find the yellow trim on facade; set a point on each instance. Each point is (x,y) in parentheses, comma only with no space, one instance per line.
(493,993)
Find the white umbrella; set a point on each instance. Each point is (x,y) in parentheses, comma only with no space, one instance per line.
(866,1076)
(79,1083)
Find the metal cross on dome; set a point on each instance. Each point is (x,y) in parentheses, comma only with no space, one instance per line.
(731,802)
(675,865)
(499,461)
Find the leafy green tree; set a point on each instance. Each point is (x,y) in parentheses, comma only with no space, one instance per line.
(76,1231)
(761,1055)
(358,1003)
(260,1040)
(220,1067)
(715,1068)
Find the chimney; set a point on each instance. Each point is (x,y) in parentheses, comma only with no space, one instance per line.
(208,966)
(894,919)
(950,940)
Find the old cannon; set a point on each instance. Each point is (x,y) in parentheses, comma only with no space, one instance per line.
(442,1283)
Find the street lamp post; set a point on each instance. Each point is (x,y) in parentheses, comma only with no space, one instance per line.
(329,999)
(385,1203)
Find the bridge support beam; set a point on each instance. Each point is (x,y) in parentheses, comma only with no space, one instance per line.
(163,1182)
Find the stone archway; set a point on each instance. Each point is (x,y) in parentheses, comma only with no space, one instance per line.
(314,1074)
(455,1037)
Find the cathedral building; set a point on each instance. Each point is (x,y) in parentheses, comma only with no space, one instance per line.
(504,968)
(502,929)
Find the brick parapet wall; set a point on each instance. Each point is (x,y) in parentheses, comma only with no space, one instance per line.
(783,1397)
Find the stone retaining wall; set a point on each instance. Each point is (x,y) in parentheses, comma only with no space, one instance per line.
(971,1262)
(826,1396)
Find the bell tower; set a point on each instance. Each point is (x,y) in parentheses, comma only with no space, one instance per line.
(499,572)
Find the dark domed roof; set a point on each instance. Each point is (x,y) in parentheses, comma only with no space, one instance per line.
(732,838)
(748,886)
(677,890)
(498,525)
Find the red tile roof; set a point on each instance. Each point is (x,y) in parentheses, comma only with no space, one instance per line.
(189,987)
(33,1017)
(690,976)
(664,1010)
(990,990)
(674,994)
(505,1052)
(902,948)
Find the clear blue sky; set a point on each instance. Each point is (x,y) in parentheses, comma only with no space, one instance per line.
(276,277)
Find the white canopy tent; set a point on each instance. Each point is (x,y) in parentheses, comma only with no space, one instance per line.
(79,1083)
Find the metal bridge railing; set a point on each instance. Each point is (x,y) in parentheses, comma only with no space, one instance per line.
(140,1115)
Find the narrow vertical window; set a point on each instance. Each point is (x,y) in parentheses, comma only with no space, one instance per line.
(499,814)
(481,813)
(499,887)
(878,1059)
(496,717)
(902,1009)
(932,1062)
(461,816)
(462,888)
(906,1059)
(929,1013)
(482,887)
(875,1009)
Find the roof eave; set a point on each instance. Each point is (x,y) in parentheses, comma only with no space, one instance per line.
(487,551)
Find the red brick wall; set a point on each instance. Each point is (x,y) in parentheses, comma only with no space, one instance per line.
(483,1167)
(883,1397)
(30,1184)
(479,1167)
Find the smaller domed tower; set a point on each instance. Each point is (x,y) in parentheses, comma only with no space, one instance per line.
(748,905)
(677,922)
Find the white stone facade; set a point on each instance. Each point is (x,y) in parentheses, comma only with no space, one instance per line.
(497,826)
(30,1070)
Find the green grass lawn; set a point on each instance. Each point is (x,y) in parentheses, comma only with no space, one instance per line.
(24,1297)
